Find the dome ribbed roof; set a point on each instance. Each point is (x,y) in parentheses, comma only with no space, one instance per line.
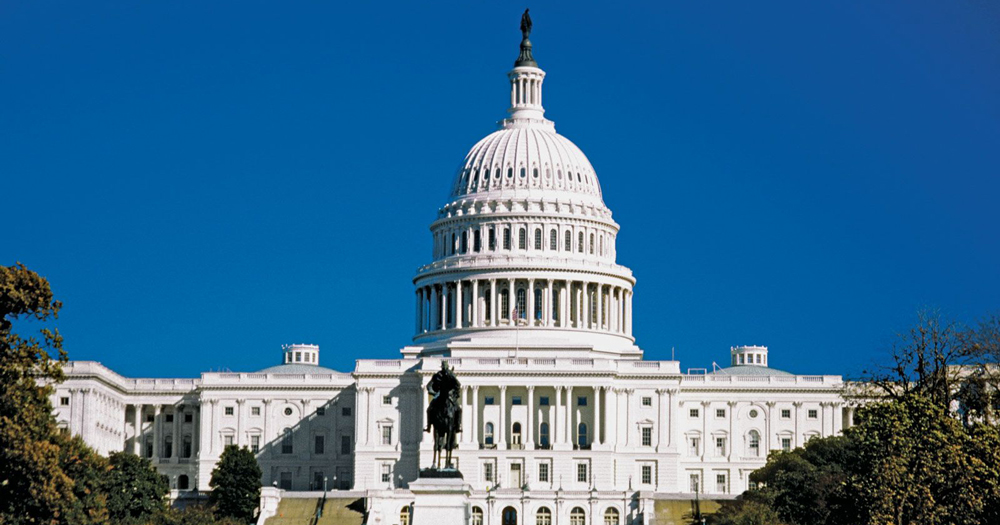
(525,157)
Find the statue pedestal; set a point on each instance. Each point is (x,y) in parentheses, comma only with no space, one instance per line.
(440,500)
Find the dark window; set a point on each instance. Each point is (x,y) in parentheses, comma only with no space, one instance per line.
(64,401)
(286,442)
(581,401)
(318,445)
(170,418)
(345,444)
(321,411)
(493,238)
(506,238)
(345,411)
(522,239)
(188,418)
(477,244)
(229,411)
(516,400)
(488,400)
(553,240)
(538,239)
(182,482)
(569,241)
(543,401)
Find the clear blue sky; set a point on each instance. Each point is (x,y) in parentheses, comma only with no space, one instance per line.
(204,181)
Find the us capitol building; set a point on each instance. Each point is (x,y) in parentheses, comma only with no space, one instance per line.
(563,420)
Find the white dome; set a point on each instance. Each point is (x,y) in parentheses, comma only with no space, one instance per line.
(525,157)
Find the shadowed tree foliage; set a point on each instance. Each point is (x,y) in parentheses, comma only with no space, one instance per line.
(44,476)
(135,490)
(751,509)
(236,484)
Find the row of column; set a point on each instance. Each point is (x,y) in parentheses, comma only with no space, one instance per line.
(460,240)
(525,90)
(158,432)
(566,304)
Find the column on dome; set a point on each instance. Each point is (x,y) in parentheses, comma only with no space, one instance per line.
(601,318)
(501,430)
(586,305)
(549,305)
(512,300)
(530,299)
(494,304)
(432,317)
(564,304)
(629,309)
(475,303)
(417,311)
(459,305)
(443,325)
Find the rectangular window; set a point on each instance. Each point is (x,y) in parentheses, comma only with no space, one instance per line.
(386,400)
(720,446)
(387,435)
(647,474)
(543,472)
(695,447)
(286,481)
(720,484)
(694,483)
(286,443)
(488,400)
(813,414)
(149,418)
(345,444)
(318,445)
(493,238)
(543,401)
(321,411)
(786,413)
(227,440)
(386,473)
(720,412)
(515,401)
(64,401)
(694,412)
(647,401)
(229,411)
(345,411)
(488,472)
(647,436)
(169,418)
(786,444)
(506,238)
(477,244)
(254,411)
(581,472)
(188,418)
(255,444)
(581,401)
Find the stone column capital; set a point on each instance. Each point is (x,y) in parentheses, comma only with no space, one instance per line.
(797,404)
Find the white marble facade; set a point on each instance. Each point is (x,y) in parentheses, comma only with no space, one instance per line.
(525,299)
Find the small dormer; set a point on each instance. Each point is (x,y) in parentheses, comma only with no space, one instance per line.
(749,355)
(301,354)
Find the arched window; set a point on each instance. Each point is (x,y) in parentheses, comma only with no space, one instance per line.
(404,516)
(539,309)
(488,311)
(522,239)
(522,304)
(577,516)
(504,304)
(553,240)
(753,443)
(611,516)
(591,244)
(477,516)
(506,238)
(464,248)
(538,238)
(508,516)
(477,241)
(543,434)
(510,173)
(569,241)
(600,250)
(581,434)
(543,516)
(515,434)
(488,434)
(534,173)
(579,242)
(454,241)
(182,482)
(186,447)
(522,173)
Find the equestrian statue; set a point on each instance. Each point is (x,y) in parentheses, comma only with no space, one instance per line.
(444,414)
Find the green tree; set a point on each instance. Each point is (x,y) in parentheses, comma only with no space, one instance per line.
(44,477)
(134,488)
(236,484)
(747,511)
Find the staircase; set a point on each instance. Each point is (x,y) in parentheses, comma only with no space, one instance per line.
(302,511)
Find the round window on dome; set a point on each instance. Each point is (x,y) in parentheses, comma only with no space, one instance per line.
(510,172)
(288,411)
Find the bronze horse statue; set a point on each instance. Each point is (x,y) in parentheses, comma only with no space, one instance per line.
(444,414)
